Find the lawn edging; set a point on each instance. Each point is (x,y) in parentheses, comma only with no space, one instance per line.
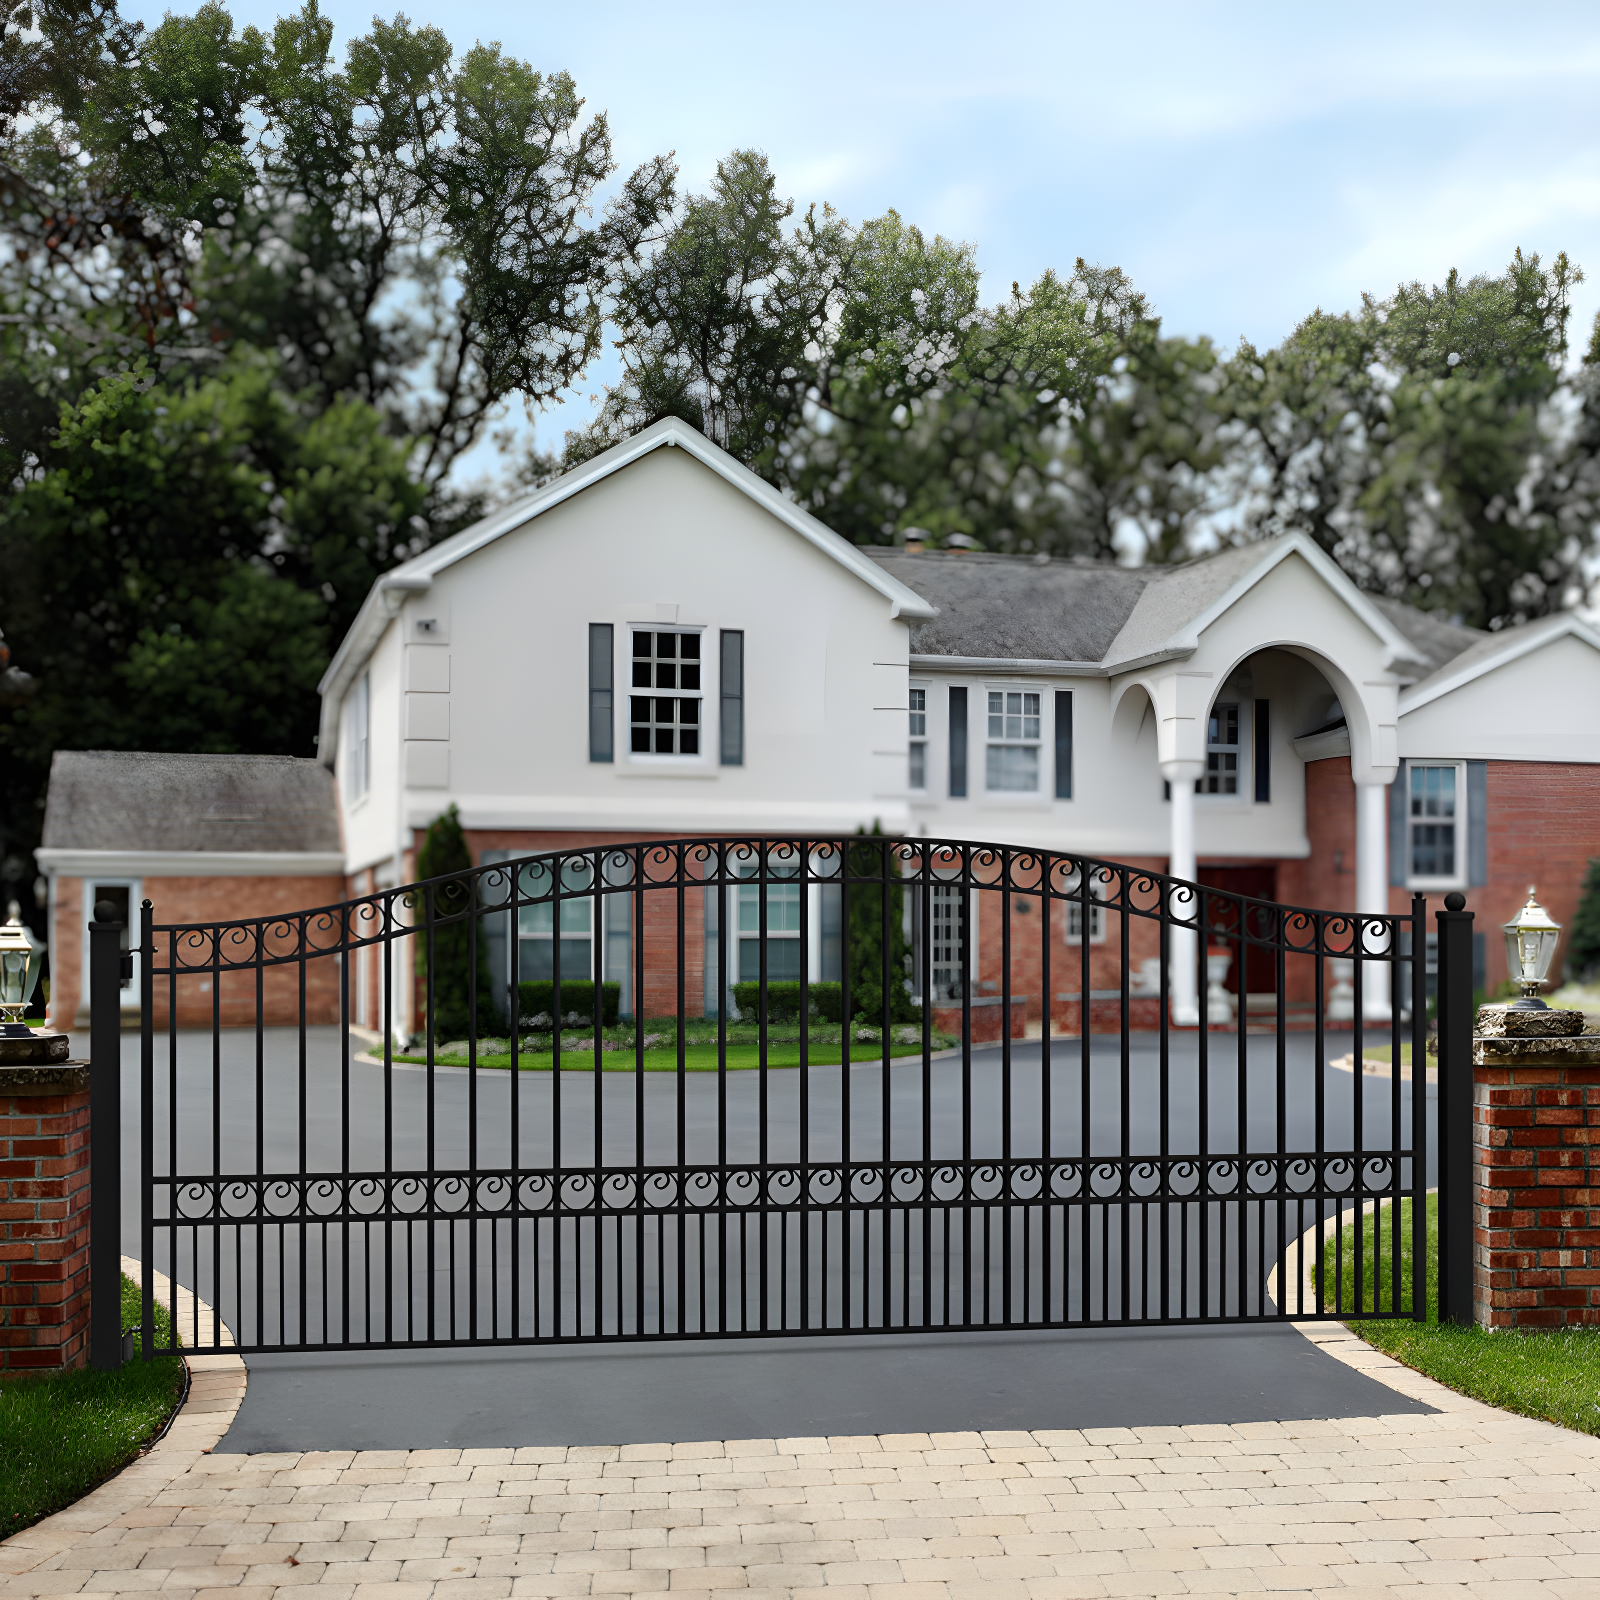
(212,1396)
(1341,1341)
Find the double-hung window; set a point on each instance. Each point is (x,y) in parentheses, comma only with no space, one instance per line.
(917,773)
(359,746)
(948,951)
(1012,761)
(1097,912)
(783,924)
(664,707)
(1434,818)
(1222,752)
(536,927)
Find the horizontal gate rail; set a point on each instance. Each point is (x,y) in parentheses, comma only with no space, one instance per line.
(849,1084)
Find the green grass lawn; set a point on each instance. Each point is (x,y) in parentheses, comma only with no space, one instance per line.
(60,1436)
(697,1057)
(1385,1053)
(1554,1376)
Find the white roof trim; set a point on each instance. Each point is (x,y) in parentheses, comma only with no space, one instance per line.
(1021,666)
(416,575)
(193,863)
(1519,641)
(1397,648)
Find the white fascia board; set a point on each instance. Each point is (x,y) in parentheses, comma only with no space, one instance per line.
(1319,746)
(1397,648)
(1519,642)
(192,863)
(1021,666)
(417,575)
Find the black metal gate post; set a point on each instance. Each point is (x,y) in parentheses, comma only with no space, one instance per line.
(105,1139)
(1455,1111)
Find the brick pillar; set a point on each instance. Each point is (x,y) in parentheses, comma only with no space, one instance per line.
(44,1216)
(1536,1176)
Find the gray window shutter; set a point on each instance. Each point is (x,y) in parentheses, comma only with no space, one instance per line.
(1477,824)
(733,697)
(1263,761)
(958,744)
(1399,839)
(600,692)
(1063,744)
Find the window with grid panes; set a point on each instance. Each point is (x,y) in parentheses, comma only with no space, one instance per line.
(783,924)
(1012,762)
(1222,752)
(1431,820)
(948,955)
(1097,913)
(917,775)
(665,721)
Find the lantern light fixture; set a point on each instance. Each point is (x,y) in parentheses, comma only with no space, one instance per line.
(1531,938)
(21,957)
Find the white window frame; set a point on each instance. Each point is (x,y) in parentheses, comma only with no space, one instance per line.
(1243,788)
(708,695)
(1457,879)
(917,742)
(1097,912)
(741,895)
(358,740)
(1004,741)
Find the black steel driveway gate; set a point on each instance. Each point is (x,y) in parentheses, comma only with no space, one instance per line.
(847,1085)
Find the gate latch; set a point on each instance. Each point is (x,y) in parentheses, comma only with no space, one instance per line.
(125,968)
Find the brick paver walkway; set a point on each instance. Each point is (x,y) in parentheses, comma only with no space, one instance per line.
(1471,1502)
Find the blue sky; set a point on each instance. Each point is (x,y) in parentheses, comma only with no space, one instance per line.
(1244,163)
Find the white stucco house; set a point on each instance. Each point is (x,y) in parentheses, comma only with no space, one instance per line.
(658,643)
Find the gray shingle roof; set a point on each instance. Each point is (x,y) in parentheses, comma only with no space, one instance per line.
(132,800)
(998,607)
(1016,607)
(1437,641)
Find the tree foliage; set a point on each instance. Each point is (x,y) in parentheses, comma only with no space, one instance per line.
(444,951)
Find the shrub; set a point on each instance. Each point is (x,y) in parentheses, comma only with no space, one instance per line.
(536,999)
(1583,942)
(444,851)
(783,1001)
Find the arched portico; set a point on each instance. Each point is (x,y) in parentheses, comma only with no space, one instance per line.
(1183,694)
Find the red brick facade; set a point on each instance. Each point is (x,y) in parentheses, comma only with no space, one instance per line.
(44,1229)
(186,900)
(1536,1210)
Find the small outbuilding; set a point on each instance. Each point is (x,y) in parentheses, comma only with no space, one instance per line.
(207,836)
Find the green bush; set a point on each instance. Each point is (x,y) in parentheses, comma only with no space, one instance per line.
(1583,941)
(444,851)
(536,998)
(783,1001)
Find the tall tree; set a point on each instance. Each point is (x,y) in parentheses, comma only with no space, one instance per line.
(1403,437)
(854,365)
(254,306)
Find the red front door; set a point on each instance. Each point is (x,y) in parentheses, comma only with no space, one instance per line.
(1260,883)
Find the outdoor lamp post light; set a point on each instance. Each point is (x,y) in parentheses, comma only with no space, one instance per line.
(1530,946)
(21,956)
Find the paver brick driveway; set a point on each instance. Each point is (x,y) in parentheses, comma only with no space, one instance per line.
(1468,1502)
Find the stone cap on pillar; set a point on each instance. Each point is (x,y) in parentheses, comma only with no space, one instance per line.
(1510,1022)
(58,1077)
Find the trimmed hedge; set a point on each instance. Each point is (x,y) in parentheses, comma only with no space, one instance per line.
(536,997)
(783,1001)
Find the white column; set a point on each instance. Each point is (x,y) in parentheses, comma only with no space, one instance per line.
(1183,984)
(1372,887)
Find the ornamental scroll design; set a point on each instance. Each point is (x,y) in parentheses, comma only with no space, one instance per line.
(414,912)
(780,1187)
